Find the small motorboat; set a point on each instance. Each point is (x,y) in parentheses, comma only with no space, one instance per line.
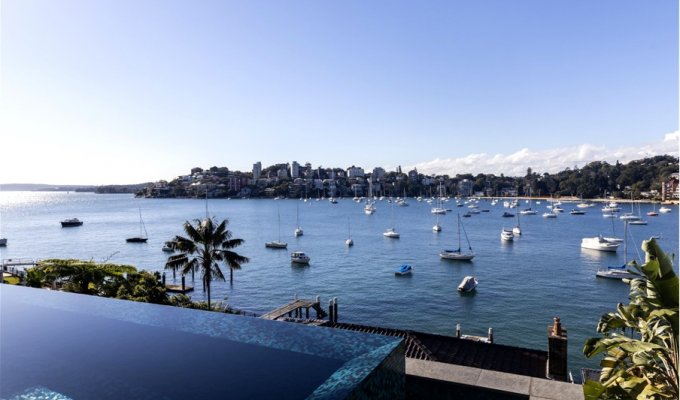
(71,222)
(664,210)
(549,214)
(299,257)
(468,284)
(403,270)
(576,212)
(507,215)
(615,273)
(168,246)
(638,222)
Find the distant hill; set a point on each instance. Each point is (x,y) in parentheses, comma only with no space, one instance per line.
(44,187)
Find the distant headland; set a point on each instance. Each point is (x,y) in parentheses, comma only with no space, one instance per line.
(654,178)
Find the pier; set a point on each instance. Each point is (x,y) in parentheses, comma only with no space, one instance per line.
(294,310)
(16,267)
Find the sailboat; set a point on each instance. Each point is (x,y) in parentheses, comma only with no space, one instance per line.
(619,272)
(391,232)
(459,254)
(437,227)
(298,230)
(517,230)
(349,242)
(369,208)
(277,244)
(613,239)
(639,220)
(439,209)
(141,238)
(653,213)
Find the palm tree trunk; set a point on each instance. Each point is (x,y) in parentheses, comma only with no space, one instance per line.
(231,276)
(208,287)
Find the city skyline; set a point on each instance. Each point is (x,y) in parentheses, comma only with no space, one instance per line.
(127,92)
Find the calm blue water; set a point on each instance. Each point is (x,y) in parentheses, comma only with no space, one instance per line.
(522,285)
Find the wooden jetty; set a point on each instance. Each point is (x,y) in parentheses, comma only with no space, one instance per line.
(178,288)
(294,310)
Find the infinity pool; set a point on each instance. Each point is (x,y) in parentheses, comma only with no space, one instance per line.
(67,346)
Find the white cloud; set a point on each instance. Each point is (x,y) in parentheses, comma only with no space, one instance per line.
(672,136)
(551,160)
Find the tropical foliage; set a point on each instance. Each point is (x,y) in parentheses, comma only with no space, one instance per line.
(643,364)
(87,277)
(143,286)
(206,245)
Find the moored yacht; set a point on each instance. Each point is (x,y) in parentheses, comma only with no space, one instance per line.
(598,243)
(507,235)
(391,233)
(71,222)
(299,257)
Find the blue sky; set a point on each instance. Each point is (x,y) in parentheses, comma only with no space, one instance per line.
(121,91)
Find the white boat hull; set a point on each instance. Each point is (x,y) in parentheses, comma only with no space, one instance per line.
(456,255)
(599,244)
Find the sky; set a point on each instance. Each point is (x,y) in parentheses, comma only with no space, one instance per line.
(128,91)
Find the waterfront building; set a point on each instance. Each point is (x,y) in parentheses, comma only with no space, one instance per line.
(355,172)
(257,170)
(670,189)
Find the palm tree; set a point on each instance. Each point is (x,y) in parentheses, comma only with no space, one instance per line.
(204,247)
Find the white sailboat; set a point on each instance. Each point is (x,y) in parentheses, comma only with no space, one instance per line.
(391,232)
(517,230)
(277,244)
(459,254)
(619,272)
(439,209)
(298,230)
(437,227)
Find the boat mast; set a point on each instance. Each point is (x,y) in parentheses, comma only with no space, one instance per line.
(458,231)
(625,242)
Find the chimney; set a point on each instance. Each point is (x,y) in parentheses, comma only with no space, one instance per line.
(557,351)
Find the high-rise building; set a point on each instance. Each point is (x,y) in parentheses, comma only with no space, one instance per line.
(294,170)
(257,170)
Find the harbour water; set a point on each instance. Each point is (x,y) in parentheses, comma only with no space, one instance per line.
(522,285)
